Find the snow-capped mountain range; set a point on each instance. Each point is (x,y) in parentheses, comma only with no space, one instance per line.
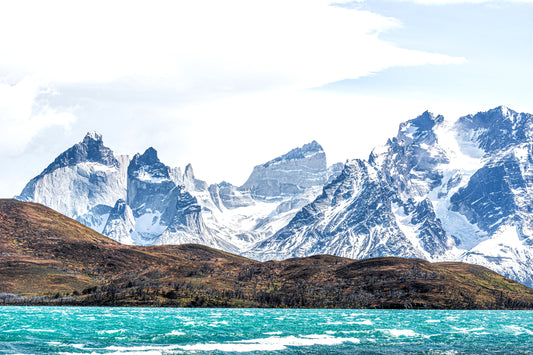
(459,191)
(145,202)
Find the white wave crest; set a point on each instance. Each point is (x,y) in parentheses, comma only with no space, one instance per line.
(110,331)
(279,332)
(519,330)
(271,343)
(176,332)
(363,322)
(402,332)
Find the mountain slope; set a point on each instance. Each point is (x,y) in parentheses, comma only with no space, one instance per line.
(164,211)
(290,173)
(150,203)
(48,258)
(435,191)
(439,191)
(349,219)
(84,182)
(268,200)
(375,207)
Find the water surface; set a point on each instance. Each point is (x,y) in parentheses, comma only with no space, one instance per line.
(87,330)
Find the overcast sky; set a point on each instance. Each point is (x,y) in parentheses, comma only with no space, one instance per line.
(226,85)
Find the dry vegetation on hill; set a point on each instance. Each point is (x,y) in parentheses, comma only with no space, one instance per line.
(49,259)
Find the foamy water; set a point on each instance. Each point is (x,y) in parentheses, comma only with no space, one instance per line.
(51,330)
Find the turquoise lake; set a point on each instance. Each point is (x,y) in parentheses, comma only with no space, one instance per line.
(87,330)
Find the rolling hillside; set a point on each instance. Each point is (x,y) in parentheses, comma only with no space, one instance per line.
(49,259)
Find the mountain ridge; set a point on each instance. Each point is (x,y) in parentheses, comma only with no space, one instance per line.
(437,190)
(171,207)
(426,181)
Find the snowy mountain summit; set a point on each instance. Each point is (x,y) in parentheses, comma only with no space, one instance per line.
(143,201)
(438,191)
(459,191)
(290,173)
(84,182)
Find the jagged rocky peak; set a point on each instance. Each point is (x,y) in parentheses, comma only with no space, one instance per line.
(188,177)
(501,115)
(191,182)
(189,172)
(90,149)
(149,183)
(290,173)
(83,182)
(495,129)
(307,150)
(92,136)
(148,167)
(410,161)
(415,134)
(420,129)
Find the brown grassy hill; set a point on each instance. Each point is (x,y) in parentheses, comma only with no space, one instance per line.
(47,258)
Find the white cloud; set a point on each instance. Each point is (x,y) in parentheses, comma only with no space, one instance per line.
(229,44)
(22,116)
(185,51)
